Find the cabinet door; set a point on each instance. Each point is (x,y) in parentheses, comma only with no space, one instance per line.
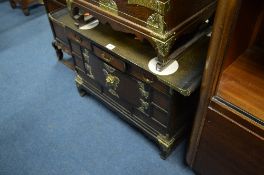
(119,86)
(227,147)
(129,92)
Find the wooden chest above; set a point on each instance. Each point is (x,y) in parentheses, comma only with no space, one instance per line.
(161,22)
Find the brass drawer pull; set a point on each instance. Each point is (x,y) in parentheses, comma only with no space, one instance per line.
(144,106)
(86,55)
(112,83)
(142,90)
(89,71)
(77,39)
(147,80)
(111,80)
(106,58)
(85,51)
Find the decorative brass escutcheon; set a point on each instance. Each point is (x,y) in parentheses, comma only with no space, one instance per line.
(112,83)
(89,71)
(156,23)
(142,90)
(86,55)
(111,80)
(143,106)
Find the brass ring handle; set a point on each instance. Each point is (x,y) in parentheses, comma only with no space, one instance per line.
(105,58)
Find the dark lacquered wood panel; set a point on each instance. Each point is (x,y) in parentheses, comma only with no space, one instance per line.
(237,150)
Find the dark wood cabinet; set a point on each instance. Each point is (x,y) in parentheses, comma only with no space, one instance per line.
(160,106)
(228,134)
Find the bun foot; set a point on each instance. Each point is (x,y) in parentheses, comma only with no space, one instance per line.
(12,4)
(59,52)
(26,12)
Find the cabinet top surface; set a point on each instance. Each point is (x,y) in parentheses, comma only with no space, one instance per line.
(191,62)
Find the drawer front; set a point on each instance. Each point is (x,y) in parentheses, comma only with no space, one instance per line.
(75,48)
(78,62)
(150,122)
(59,31)
(159,115)
(78,41)
(110,59)
(148,79)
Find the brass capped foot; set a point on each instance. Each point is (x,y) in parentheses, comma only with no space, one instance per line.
(166,145)
(79,82)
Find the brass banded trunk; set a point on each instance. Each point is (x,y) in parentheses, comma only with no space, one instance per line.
(161,22)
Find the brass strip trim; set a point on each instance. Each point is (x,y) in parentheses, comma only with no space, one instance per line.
(156,5)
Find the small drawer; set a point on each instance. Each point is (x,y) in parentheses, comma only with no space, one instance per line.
(161,100)
(78,39)
(159,115)
(74,36)
(110,59)
(59,32)
(150,122)
(78,62)
(75,48)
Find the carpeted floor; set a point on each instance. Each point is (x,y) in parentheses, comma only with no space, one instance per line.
(46,128)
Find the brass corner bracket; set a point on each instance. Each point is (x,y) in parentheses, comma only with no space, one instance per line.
(79,80)
(165,142)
